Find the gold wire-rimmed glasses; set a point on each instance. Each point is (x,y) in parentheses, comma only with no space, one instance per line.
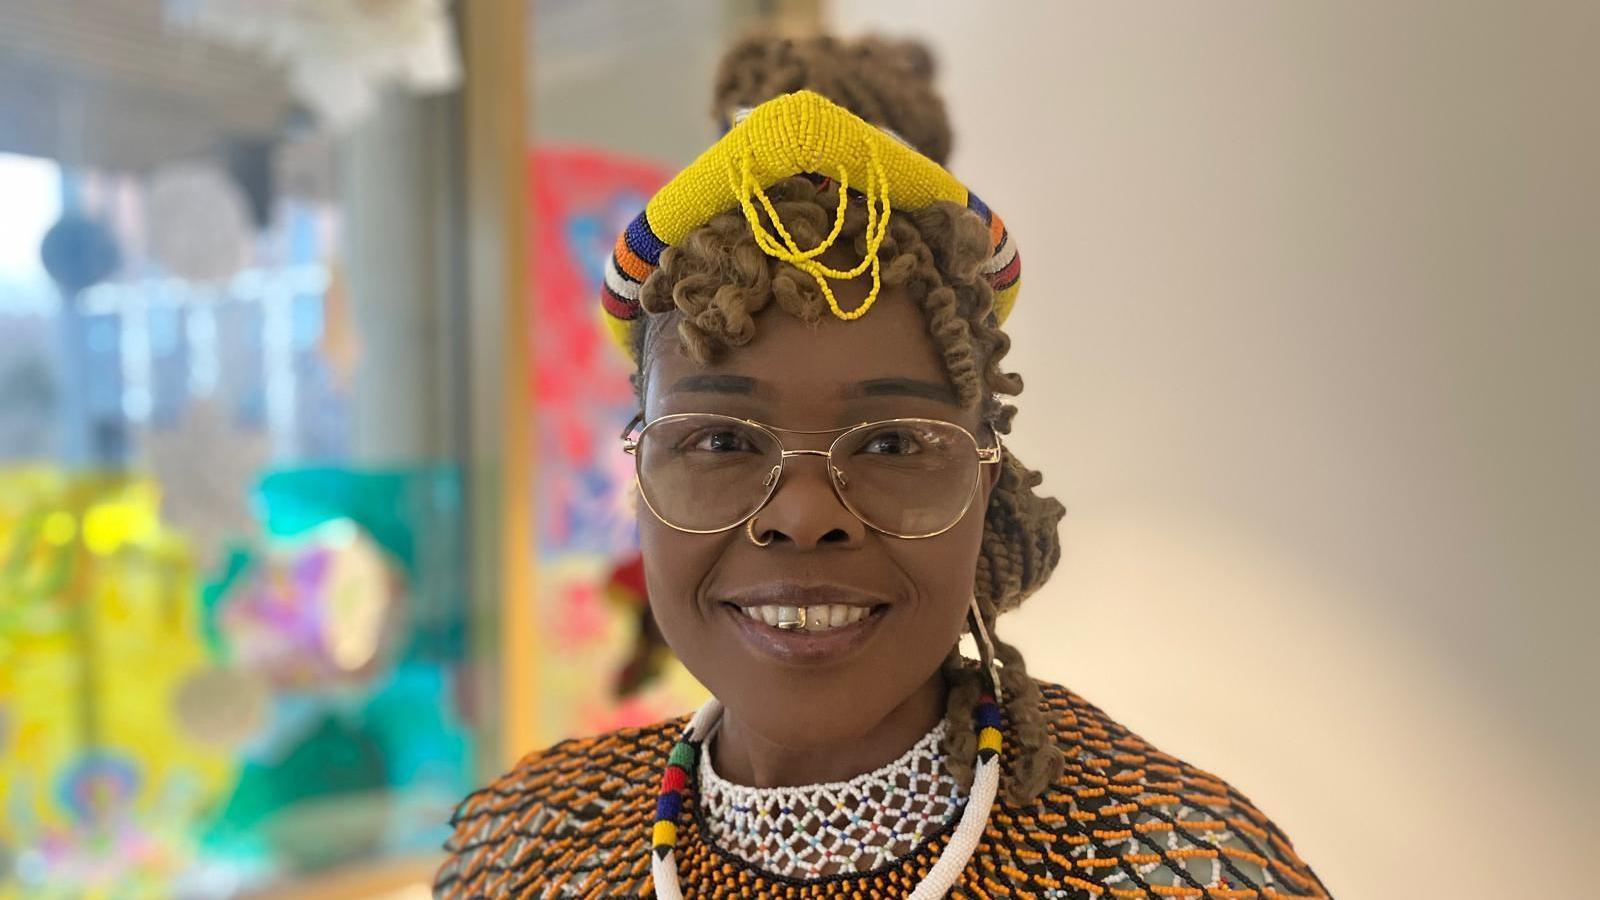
(704,473)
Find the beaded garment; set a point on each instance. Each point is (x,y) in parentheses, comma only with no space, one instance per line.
(1124,820)
(867,822)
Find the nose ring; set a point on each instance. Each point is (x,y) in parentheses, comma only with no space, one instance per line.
(750,529)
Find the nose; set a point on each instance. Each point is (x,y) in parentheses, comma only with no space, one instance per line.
(804,512)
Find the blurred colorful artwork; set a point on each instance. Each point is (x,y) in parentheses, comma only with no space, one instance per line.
(582,199)
(352,614)
(164,736)
(317,613)
(104,785)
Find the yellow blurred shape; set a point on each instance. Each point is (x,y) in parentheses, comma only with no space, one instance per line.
(58,529)
(130,519)
(360,595)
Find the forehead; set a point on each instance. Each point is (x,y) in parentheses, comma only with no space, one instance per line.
(883,363)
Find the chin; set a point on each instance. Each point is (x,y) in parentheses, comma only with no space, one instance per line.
(793,717)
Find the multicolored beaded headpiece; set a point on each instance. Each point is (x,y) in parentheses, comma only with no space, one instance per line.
(802,133)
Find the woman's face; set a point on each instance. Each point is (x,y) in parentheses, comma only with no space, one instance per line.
(803,690)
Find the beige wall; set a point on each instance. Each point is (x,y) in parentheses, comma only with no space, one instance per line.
(1309,327)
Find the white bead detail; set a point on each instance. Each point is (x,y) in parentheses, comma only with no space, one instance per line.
(944,874)
(853,826)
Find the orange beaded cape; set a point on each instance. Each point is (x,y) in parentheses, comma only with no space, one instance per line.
(1124,820)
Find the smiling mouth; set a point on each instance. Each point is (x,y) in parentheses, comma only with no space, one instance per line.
(774,631)
(816,618)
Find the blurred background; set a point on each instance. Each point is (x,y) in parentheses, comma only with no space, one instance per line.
(310,510)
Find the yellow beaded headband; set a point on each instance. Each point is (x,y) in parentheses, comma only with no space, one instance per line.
(802,133)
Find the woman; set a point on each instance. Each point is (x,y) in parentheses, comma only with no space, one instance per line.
(814,309)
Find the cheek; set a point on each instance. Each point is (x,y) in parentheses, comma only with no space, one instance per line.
(942,570)
(675,566)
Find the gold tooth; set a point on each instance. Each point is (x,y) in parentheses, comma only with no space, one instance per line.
(804,619)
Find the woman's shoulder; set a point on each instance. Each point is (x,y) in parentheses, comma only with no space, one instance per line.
(1122,815)
(1136,817)
(575,807)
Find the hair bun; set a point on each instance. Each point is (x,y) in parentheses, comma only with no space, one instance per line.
(917,59)
(887,82)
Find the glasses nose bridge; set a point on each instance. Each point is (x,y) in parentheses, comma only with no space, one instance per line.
(830,471)
(827,456)
(784,451)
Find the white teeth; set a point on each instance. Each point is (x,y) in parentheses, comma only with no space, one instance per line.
(818,618)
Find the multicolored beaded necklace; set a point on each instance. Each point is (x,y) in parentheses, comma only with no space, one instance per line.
(974,818)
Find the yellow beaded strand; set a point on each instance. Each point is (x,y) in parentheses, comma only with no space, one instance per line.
(879,208)
(795,134)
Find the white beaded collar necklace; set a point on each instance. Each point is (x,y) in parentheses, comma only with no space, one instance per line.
(834,828)
(963,842)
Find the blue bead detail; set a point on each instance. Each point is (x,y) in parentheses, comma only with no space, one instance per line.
(643,241)
(979,207)
(668,806)
(987,716)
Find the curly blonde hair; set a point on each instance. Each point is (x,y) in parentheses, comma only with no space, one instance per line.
(712,286)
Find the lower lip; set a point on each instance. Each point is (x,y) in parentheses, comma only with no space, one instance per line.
(805,648)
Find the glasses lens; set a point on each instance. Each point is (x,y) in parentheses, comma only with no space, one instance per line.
(907,477)
(705,472)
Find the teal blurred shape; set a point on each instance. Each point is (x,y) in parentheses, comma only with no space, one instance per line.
(402,509)
(416,514)
(335,776)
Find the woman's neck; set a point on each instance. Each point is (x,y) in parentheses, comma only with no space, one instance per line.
(743,756)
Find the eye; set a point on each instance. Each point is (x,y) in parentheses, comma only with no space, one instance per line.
(721,440)
(892,442)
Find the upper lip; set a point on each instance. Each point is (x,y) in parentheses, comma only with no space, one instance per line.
(795,594)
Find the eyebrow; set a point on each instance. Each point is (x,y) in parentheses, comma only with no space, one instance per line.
(903,387)
(875,387)
(714,384)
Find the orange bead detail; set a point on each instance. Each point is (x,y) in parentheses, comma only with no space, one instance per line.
(515,839)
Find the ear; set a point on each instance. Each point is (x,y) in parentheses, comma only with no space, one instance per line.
(991,476)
